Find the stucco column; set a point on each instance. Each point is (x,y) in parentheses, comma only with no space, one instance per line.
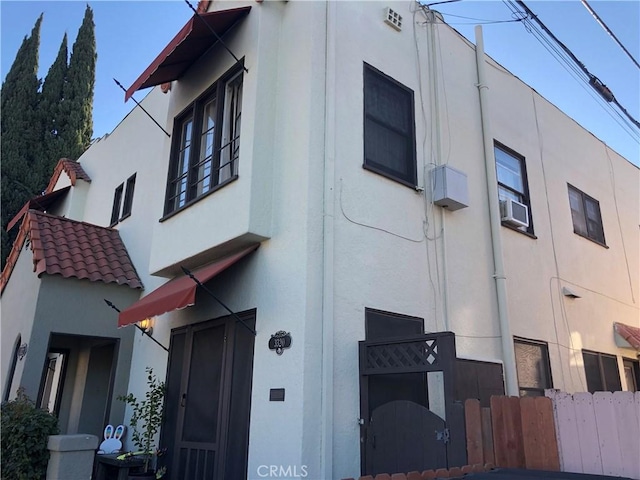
(71,456)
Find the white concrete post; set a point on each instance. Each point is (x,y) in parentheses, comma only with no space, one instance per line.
(71,456)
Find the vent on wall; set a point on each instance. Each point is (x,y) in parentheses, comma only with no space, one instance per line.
(515,213)
(393,19)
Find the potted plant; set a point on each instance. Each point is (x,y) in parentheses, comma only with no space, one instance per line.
(146,418)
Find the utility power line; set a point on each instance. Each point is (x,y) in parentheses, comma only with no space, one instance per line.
(594,81)
(608,30)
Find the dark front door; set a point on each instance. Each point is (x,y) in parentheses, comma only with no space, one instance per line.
(206,424)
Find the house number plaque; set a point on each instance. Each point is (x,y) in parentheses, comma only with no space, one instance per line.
(279,341)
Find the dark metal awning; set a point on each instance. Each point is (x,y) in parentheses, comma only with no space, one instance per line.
(177,293)
(41,203)
(191,42)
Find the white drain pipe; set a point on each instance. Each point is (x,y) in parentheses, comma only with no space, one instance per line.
(508,352)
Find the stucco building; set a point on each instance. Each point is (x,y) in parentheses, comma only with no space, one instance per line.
(329,171)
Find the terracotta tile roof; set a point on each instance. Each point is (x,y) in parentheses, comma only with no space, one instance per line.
(629,333)
(41,202)
(73,169)
(70,248)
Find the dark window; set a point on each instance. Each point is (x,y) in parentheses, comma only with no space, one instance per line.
(475,379)
(585,213)
(512,178)
(389,127)
(383,325)
(532,366)
(632,374)
(601,371)
(12,369)
(128,197)
(117,200)
(206,142)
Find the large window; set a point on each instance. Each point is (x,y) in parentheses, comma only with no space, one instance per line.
(389,127)
(206,142)
(532,366)
(512,178)
(601,371)
(585,213)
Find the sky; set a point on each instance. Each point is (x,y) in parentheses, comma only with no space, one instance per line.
(130,34)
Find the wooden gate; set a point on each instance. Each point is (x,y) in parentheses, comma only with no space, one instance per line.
(400,431)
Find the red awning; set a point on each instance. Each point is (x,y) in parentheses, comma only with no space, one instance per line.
(177,293)
(41,202)
(191,42)
(629,333)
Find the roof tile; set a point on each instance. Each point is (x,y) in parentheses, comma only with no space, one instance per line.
(70,248)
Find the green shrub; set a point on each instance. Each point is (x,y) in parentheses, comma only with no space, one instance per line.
(25,431)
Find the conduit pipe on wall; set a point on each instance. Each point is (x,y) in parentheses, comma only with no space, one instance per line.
(433,51)
(508,352)
(328,197)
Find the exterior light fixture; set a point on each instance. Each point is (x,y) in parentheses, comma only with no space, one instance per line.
(147,325)
(567,292)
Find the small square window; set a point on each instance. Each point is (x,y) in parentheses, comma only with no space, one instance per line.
(532,367)
(585,213)
(389,127)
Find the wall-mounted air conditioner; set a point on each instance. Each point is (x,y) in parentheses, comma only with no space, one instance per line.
(514,213)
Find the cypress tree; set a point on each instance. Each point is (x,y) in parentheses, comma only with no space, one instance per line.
(19,129)
(78,90)
(51,113)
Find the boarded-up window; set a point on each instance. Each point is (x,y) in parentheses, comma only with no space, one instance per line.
(479,380)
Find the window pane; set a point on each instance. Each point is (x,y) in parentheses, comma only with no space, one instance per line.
(387,102)
(509,170)
(387,149)
(531,365)
(380,325)
(203,182)
(115,210)
(611,373)
(577,212)
(592,372)
(230,148)
(594,222)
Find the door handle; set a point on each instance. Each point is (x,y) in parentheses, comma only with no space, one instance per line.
(183,401)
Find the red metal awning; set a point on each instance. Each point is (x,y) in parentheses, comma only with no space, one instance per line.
(177,293)
(41,202)
(629,333)
(191,42)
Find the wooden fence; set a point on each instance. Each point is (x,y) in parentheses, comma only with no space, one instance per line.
(513,433)
(598,433)
(583,433)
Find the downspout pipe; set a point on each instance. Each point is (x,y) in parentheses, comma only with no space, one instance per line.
(508,352)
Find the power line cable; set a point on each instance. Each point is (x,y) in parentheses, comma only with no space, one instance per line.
(577,73)
(594,81)
(608,30)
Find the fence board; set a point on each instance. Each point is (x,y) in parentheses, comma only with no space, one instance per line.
(473,426)
(587,433)
(628,433)
(507,432)
(566,431)
(487,437)
(546,423)
(607,432)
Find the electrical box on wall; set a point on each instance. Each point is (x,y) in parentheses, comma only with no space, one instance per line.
(449,188)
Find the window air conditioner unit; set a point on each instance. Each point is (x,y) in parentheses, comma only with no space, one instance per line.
(514,213)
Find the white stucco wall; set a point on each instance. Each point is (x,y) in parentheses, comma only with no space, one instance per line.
(301,138)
